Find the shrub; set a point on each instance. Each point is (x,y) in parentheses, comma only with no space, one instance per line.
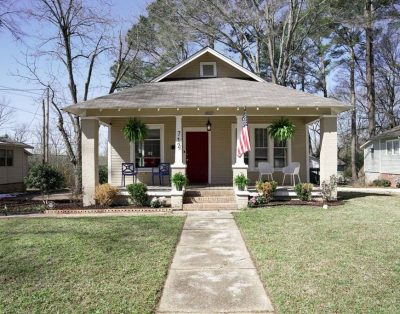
(328,189)
(157,202)
(103,174)
(138,194)
(257,200)
(241,181)
(105,194)
(266,189)
(397,182)
(304,191)
(45,177)
(381,183)
(179,181)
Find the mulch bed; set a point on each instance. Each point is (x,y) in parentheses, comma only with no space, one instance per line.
(18,206)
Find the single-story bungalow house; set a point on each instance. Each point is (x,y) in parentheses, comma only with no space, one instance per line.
(194,113)
(382,156)
(13,165)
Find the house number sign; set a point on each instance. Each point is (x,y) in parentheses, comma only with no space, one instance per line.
(178,140)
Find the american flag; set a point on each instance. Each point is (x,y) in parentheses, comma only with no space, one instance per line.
(243,143)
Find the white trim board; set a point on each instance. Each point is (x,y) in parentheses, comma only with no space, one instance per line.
(198,129)
(214,53)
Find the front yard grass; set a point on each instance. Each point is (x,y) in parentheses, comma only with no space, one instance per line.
(342,260)
(85,265)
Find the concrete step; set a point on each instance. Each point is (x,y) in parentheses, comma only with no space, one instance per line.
(210,206)
(209,199)
(208,192)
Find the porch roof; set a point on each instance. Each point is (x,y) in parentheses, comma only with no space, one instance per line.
(207,93)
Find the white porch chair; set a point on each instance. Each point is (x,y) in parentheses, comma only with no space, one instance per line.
(292,170)
(265,168)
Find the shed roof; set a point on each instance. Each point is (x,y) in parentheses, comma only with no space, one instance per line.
(210,92)
(6,141)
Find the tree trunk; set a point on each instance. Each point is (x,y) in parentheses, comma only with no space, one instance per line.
(370,75)
(353,115)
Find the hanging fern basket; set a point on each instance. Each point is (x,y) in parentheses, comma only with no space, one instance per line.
(282,129)
(135,131)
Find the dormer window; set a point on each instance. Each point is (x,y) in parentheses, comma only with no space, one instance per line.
(208,69)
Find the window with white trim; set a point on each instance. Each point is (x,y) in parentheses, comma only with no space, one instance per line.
(149,152)
(263,148)
(208,69)
(393,147)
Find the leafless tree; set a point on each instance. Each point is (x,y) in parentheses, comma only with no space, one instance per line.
(6,112)
(9,15)
(77,36)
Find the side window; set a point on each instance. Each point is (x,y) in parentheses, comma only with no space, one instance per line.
(2,157)
(10,158)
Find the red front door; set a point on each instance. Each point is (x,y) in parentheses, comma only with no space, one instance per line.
(197,157)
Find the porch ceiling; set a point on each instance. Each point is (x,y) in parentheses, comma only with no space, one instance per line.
(207,93)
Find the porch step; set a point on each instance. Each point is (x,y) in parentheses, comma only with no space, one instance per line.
(209,193)
(209,206)
(208,199)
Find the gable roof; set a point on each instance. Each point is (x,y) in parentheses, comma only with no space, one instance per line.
(214,53)
(211,92)
(393,132)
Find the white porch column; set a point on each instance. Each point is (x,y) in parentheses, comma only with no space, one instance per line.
(239,166)
(90,159)
(328,154)
(109,155)
(178,165)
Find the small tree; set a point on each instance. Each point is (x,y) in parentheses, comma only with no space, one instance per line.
(46,178)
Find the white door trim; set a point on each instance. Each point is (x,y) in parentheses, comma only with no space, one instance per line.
(198,129)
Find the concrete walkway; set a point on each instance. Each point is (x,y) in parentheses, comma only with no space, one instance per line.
(212,271)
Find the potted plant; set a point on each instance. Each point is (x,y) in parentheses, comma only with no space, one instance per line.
(282,129)
(179,181)
(135,131)
(241,181)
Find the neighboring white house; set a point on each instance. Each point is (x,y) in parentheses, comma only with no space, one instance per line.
(13,165)
(382,156)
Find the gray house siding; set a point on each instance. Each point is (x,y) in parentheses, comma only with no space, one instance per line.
(378,163)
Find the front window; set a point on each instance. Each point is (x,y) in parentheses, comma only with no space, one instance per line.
(260,145)
(280,154)
(148,153)
(393,147)
(2,157)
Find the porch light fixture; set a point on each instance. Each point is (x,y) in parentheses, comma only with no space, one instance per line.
(372,150)
(298,108)
(208,125)
(277,108)
(317,108)
(258,108)
(217,108)
(177,109)
(237,108)
(198,108)
(158,109)
(139,109)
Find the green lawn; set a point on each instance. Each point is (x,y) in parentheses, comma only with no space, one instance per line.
(342,260)
(85,265)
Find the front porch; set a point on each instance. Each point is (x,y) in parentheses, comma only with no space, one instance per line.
(205,160)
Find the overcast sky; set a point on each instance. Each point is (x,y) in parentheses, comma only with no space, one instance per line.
(26,97)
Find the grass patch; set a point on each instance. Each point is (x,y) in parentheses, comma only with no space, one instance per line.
(342,260)
(85,265)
